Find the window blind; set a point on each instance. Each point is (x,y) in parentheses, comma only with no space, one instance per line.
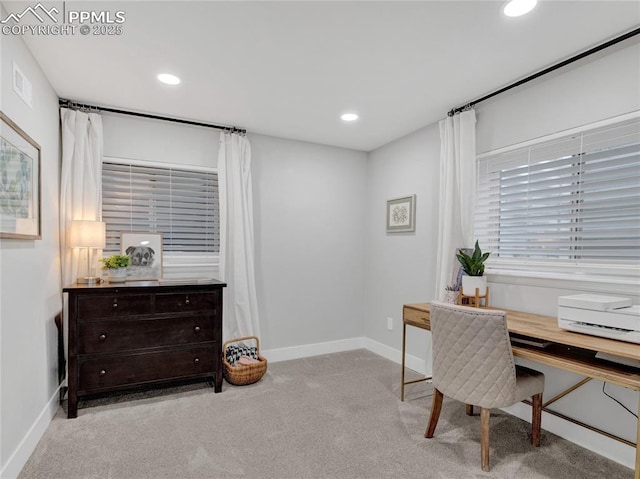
(573,200)
(181,204)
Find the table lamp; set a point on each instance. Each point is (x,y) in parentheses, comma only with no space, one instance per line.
(90,235)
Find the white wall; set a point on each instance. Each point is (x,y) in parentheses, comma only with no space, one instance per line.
(136,138)
(399,266)
(590,91)
(399,271)
(309,207)
(30,295)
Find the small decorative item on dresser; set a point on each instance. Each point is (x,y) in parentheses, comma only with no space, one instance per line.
(116,265)
(145,251)
(243,365)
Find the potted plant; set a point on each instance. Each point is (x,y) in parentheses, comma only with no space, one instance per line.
(451,293)
(116,265)
(473,266)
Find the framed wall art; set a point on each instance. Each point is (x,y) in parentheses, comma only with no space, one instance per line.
(401,214)
(19,183)
(145,251)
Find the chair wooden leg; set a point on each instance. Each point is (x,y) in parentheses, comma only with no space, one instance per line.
(469,409)
(436,406)
(484,438)
(536,419)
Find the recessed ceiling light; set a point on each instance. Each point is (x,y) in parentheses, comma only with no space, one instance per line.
(515,8)
(168,78)
(349,117)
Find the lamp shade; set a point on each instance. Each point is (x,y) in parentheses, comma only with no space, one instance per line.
(87,234)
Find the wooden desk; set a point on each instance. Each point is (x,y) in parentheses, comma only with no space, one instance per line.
(573,352)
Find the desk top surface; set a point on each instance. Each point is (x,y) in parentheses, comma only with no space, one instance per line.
(546,328)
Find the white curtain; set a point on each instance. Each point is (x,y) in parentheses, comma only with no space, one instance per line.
(240,310)
(80,180)
(457,193)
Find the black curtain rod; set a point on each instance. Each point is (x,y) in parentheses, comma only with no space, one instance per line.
(76,104)
(550,69)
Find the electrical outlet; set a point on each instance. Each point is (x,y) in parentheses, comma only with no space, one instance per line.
(390,324)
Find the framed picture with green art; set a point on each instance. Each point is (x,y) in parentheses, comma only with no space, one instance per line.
(19,183)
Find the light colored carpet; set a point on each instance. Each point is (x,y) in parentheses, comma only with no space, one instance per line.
(332,416)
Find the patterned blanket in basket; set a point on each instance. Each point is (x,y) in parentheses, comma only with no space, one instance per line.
(234,352)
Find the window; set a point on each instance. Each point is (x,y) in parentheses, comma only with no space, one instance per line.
(180,203)
(566,204)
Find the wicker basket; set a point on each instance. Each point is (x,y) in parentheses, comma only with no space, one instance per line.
(246,373)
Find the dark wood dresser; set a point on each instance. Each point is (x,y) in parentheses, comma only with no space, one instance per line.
(123,335)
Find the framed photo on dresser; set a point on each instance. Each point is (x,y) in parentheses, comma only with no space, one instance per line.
(145,251)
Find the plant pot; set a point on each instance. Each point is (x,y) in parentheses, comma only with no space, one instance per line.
(470,283)
(117,275)
(451,297)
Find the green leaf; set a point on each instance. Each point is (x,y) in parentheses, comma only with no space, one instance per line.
(473,265)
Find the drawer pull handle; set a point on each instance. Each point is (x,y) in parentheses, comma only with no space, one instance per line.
(197,329)
(115,305)
(102,372)
(196,361)
(102,337)
(187,301)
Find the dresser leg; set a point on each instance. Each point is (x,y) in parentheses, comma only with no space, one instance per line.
(72,380)
(218,384)
(72,405)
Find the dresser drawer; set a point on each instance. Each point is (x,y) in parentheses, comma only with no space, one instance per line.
(186,302)
(110,372)
(91,307)
(109,336)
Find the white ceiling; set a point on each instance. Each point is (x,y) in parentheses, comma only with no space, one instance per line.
(289,69)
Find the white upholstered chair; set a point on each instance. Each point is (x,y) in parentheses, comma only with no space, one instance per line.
(473,363)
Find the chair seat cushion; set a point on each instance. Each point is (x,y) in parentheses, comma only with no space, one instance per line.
(528,382)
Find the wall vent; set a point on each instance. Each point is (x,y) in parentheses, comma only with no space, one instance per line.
(22,85)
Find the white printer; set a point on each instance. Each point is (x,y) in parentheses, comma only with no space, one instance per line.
(607,316)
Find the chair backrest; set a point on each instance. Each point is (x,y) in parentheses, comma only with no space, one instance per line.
(472,358)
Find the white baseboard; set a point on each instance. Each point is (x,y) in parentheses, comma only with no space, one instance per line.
(605,446)
(21,455)
(412,362)
(307,350)
(316,349)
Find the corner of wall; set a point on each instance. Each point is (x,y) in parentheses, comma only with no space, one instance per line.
(30,295)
